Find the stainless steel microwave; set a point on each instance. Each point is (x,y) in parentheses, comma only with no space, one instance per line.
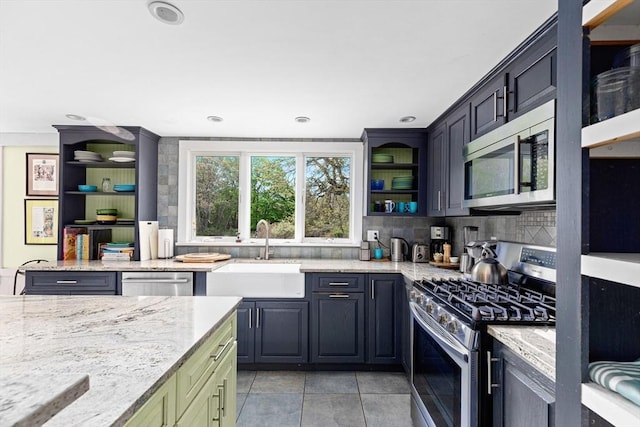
(513,165)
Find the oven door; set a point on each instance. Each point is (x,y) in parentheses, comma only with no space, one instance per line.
(443,376)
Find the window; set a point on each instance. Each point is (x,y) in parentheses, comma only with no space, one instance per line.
(305,191)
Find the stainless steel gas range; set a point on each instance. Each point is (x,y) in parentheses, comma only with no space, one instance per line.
(449,365)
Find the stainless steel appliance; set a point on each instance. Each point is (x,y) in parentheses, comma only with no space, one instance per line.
(439,236)
(449,366)
(399,249)
(150,283)
(419,253)
(514,164)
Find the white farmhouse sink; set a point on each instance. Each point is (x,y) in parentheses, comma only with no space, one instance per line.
(257,280)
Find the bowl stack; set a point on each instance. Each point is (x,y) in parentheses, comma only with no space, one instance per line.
(123,156)
(87,156)
(106,216)
(381,158)
(402,183)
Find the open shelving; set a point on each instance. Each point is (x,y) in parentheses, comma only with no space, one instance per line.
(612,276)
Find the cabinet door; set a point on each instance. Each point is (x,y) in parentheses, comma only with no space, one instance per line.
(337,331)
(159,410)
(226,378)
(436,169)
(281,330)
(524,396)
(70,283)
(532,77)
(246,332)
(457,137)
(383,322)
(487,107)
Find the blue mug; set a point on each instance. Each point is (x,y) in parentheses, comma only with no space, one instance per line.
(401,207)
(377,253)
(413,207)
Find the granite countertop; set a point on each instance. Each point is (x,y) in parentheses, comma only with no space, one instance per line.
(412,271)
(107,338)
(535,344)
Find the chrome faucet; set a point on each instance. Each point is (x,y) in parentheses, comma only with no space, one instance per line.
(266,240)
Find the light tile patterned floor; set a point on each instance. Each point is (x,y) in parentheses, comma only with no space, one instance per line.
(310,399)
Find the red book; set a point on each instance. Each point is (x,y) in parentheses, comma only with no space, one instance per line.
(70,236)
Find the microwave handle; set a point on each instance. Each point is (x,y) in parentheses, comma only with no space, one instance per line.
(516,172)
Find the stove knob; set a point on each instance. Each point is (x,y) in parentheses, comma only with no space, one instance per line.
(429,307)
(443,319)
(453,327)
(420,299)
(412,295)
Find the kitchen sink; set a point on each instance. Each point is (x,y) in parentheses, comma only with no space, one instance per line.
(257,280)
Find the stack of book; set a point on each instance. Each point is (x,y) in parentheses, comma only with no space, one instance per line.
(115,251)
(82,243)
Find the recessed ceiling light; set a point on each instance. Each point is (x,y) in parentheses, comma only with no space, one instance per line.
(75,117)
(302,119)
(166,12)
(407,119)
(214,118)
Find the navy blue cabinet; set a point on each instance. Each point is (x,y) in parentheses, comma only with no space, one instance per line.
(273,331)
(488,106)
(522,395)
(383,318)
(445,183)
(70,283)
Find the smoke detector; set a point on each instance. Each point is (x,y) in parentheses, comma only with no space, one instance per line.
(166,12)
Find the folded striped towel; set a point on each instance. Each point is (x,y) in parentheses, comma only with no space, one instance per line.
(620,377)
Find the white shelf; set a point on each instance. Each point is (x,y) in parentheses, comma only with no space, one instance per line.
(616,267)
(611,406)
(620,128)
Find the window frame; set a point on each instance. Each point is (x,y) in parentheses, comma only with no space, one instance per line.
(189,149)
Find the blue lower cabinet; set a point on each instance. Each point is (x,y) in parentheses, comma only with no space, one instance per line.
(70,283)
(384,325)
(337,327)
(273,331)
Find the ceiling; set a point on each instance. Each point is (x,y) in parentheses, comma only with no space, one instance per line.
(345,64)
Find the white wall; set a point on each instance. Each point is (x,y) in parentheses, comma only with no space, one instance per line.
(13,251)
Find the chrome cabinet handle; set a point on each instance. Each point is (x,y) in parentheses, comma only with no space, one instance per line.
(338,283)
(490,385)
(250,317)
(495,105)
(66,282)
(257,318)
(505,102)
(373,289)
(223,398)
(338,296)
(152,280)
(439,204)
(516,169)
(219,354)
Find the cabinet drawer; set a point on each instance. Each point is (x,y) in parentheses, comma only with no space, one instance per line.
(198,368)
(338,282)
(70,283)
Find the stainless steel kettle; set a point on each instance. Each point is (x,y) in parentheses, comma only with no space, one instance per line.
(488,269)
(399,249)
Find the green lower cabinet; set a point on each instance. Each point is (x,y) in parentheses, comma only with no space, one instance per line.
(215,403)
(159,410)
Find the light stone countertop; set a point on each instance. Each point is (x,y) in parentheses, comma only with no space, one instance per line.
(128,346)
(535,344)
(29,400)
(412,271)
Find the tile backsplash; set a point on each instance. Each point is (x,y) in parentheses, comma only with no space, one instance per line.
(537,227)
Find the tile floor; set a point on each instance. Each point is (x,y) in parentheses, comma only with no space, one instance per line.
(309,399)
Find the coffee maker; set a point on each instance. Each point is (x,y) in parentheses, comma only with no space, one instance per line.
(439,236)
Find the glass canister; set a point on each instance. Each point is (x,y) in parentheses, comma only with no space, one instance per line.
(106,185)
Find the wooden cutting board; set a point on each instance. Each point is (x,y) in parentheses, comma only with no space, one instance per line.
(445,264)
(202,257)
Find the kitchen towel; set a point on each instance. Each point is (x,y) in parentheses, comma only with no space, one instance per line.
(148,231)
(620,377)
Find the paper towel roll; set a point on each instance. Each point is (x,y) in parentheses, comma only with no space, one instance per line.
(148,240)
(165,243)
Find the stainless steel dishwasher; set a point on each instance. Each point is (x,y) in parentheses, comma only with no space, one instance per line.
(157,283)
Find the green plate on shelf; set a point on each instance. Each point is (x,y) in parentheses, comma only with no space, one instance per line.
(382,158)
(84,221)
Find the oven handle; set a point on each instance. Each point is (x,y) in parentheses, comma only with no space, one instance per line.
(456,349)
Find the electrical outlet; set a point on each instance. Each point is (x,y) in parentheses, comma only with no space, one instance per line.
(372,235)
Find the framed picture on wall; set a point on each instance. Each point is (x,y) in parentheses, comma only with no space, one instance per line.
(42,174)
(40,221)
